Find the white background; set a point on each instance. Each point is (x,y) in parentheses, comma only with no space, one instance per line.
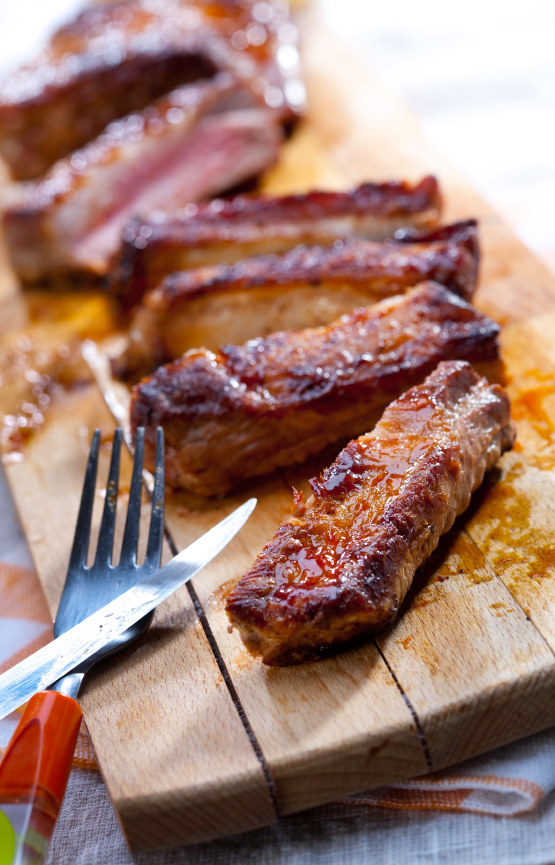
(481,77)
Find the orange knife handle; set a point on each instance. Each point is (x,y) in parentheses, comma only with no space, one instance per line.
(33,776)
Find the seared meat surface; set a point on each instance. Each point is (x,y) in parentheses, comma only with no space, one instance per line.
(341,565)
(211,306)
(195,142)
(116,58)
(226,231)
(273,402)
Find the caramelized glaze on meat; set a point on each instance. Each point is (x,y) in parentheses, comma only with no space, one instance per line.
(310,287)
(341,565)
(116,58)
(226,231)
(275,401)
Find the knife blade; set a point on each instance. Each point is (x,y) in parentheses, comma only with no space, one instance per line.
(73,647)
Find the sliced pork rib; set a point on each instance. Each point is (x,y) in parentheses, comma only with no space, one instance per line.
(117,58)
(226,231)
(341,565)
(273,402)
(211,306)
(199,140)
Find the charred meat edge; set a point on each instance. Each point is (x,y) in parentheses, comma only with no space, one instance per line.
(228,230)
(273,402)
(304,288)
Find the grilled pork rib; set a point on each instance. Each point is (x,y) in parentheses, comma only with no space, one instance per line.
(341,565)
(274,402)
(226,231)
(117,58)
(211,306)
(189,145)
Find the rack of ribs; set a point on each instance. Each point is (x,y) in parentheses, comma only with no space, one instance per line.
(214,305)
(224,231)
(198,140)
(339,567)
(117,58)
(272,402)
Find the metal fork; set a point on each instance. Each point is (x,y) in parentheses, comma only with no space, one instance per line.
(35,768)
(87,589)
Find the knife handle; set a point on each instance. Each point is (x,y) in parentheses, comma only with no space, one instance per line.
(33,776)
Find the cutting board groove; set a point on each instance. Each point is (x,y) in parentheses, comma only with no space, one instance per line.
(198,740)
(230,686)
(410,707)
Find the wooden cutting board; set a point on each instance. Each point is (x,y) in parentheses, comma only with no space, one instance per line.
(195,739)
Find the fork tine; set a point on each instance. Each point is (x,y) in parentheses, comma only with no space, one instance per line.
(132,524)
(156,533)
(80,547)
(106,536)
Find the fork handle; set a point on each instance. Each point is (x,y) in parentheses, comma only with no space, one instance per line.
(33,776)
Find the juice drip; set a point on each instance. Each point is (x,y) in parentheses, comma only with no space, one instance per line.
(43,360)
(509,531)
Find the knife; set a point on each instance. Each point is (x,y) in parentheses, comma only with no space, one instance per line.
(69,650)
(26,828)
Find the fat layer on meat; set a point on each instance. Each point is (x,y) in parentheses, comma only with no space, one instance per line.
(273,402)
(200,139)
(224,231)
(211,306)
(117,58)
(341,565)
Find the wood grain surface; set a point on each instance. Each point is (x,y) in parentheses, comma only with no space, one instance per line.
(468,665)
(169,741)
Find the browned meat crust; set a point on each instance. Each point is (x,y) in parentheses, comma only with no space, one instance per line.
(211,306)
(116,58)
(340,567)
(275,401)
(226,231)
(200,139)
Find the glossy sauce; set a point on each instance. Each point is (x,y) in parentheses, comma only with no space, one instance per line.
(25,418)
(44,360)
(216,599)
(351,495)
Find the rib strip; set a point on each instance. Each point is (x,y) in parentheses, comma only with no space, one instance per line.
(191,144)
(274,402)
(229,230)
(211,306)
(117,58)
(341,565)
